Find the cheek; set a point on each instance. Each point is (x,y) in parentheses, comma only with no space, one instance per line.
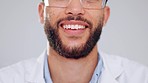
(50,15)
(95,17)
(53,15)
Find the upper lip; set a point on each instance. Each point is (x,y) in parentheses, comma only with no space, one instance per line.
(74,22)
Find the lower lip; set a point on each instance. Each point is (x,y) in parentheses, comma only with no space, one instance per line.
(74,32)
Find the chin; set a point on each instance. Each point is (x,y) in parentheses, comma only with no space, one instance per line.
(74,44)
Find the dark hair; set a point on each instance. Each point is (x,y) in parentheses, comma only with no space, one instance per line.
(105,2)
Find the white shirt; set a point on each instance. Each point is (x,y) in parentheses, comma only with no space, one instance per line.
(116,70)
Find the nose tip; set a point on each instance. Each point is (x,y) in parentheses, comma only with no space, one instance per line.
(75,8)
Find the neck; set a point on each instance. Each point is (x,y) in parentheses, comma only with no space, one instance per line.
(64,70)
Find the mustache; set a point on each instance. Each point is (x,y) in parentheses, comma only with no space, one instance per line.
(76,18)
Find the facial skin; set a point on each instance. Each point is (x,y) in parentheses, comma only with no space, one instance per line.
(72,43)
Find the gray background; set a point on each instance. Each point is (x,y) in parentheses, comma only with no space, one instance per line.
(22,36)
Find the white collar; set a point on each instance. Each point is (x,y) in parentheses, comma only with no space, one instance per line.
(112,70)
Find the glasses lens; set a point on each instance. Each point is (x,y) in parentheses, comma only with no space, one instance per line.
(58,3)
(95,4)
(92,4)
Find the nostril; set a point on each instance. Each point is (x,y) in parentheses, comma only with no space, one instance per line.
(69,13)
(74,12)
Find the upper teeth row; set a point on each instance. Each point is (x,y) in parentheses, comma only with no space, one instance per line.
(73,27)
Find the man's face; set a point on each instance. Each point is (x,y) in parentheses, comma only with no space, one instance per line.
(73,31)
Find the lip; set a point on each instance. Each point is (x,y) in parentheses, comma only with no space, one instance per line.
(73,32)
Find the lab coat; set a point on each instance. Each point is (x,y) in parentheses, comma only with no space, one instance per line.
(116,70)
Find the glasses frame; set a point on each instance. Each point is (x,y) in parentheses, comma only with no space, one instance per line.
(104,2)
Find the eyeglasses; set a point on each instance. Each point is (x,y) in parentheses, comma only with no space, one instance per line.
(87,4)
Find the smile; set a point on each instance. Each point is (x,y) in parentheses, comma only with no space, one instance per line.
(73,27)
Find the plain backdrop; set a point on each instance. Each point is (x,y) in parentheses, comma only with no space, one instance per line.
(22,36)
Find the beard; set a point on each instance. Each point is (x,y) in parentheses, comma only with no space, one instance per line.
(76,52)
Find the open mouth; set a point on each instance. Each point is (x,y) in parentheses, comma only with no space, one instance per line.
(74,28)
(74,25)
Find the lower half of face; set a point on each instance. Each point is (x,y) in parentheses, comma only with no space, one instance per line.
(73,37)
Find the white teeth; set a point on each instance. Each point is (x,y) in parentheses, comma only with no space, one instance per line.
(73,27)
